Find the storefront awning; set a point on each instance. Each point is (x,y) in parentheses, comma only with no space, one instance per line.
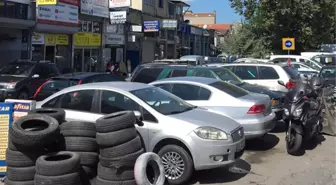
(16,23)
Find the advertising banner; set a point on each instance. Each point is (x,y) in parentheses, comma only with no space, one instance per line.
(87,39)
(46,2)
(97,8)
(112,39)
(6,119)
(38,38)
(21,107)
(169,23)
(118,17)
(151,26)
(119,3)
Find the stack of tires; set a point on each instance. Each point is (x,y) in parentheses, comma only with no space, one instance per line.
(80,137)
(28,138)
(120,146)
(61,168)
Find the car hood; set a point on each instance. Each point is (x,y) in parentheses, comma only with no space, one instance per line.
(201,117)
(11,78)
(262,90)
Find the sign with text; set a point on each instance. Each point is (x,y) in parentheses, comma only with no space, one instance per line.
(169,23)
(119,3)
(97,8)
(21,107)
(87,39)
(46,2)
(118,17)
(6,119)
(113,39)
(151,26)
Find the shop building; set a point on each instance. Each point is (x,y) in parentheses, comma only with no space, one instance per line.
(16,19)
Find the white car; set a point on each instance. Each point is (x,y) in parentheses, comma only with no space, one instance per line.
(252,110)
(298,58)
(184,136)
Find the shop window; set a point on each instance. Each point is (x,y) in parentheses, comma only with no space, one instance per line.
(13,10)
(160,3)
(90,26)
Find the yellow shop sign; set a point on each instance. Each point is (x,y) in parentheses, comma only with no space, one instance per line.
(56,39)
(87,39)
(46,2)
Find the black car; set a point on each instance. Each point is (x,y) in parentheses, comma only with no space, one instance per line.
(66,80)
(20,79)
(328,75)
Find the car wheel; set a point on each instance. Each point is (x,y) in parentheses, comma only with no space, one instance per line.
(177,162)
(23,95)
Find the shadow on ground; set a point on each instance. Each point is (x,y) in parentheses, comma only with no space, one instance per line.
(280,127)
(267,142)
(222,175)
(310,145)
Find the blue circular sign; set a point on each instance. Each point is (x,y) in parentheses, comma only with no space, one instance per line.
(288,43)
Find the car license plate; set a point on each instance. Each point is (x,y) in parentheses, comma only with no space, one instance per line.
(240,146)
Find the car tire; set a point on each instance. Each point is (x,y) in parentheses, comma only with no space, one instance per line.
(88,158)
(186,158)
(80,144)
(58,114)
(34,130)
(115,121)
(20,173)
(67,179)
(21,159)
(120,162)
(114,174)
(90,171)
(122,149)
(78,128)
(141,166)
(116,138)
(10,182)
(100,181)
(59,163)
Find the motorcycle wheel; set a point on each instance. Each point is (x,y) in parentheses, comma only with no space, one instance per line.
(293,142)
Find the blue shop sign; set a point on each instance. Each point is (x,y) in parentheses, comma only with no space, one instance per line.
(151,26)
(6,119)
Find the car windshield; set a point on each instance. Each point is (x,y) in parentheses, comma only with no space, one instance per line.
(328,72)
(312,65)
(162,101)
(230,89)
(59,84)
(228,76)
(16,69)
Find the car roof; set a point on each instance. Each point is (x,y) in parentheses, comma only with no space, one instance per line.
(251,64)
(124,86)
(78,75)
(202,80)
(191,56)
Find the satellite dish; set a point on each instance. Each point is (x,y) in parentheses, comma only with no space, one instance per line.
(205,26)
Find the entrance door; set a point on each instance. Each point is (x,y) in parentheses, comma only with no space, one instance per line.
(78,59)
(87,60)
(50,53)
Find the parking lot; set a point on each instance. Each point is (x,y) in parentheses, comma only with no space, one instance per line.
(267,163)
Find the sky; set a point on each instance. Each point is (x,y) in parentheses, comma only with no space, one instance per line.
(225,14)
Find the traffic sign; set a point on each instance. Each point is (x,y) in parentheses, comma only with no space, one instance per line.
(288,44)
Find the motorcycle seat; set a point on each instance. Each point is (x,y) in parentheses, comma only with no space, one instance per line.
(314,105)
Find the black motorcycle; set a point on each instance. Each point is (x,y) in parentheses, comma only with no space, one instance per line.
(302,113)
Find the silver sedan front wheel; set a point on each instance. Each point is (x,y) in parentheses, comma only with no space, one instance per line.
(173,165)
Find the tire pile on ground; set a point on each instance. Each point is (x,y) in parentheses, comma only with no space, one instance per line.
(120,146)
(29,136)
(80,137)
(60,168)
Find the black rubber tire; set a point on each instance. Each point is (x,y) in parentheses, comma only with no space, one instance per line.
(9,182)
(144,161)
(15,147)
(78,128)
(122,149)
(33,138)
(116,138)
(114,174)
(188,161)
(100,181)
(88,158)
(59,163)
(121,162)
(58,114)
(20,173)
(116,121)
(20,159)
(81,144)
(90,171)
(67,179)
(297,144)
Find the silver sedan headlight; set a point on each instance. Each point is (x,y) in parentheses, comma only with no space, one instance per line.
(211,133)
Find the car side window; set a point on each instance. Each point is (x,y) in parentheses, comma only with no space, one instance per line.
(191,92)
(247,72)
(267,73)
(53,103)
(302,60)
(166,87)
(178,73)
(203,73)
(114,102)
(147,75)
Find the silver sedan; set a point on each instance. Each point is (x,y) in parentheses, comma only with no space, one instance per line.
(252,110)
(184,136)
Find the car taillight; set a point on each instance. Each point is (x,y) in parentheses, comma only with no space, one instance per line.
(80,82)
(39,89)
(256,109)
(290,85)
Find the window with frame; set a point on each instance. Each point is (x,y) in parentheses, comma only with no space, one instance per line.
(247,72)
(114,102)
(268,73)
(160,3)
(179,73)
(147,75)
(190,92)
(203,73)
(166,87)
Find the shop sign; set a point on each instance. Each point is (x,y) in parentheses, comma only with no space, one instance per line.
(38,38)
(115,28)
(151,26)
(119,3)
(97,8)
(87,39)
(118,17)
(46,2)
(136,28)
(59,14)
(56,39)
(112,39)
(169,23)
(6,119)
(21,107)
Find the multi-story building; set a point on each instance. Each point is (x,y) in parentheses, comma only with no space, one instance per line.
(200,18)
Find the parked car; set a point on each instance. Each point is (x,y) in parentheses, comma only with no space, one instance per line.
(328,75)
(266,75)
(178,131)
(253,111)
(21,79)
(213,60)
(58,83)
(326,59)
(297,58)
(249,60)
(302,68)
(197,58)
(149,73)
